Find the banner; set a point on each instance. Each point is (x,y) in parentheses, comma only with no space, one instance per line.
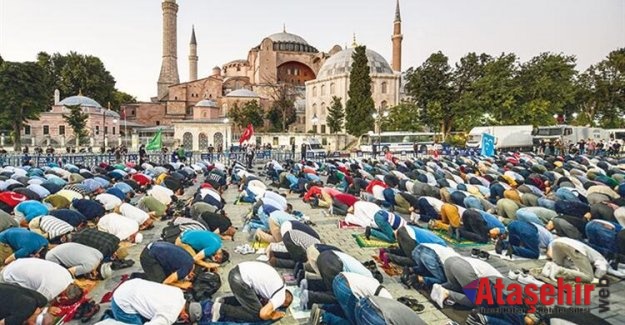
(247,134)
(488,145)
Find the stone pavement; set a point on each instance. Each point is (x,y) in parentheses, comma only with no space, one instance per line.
(327,227)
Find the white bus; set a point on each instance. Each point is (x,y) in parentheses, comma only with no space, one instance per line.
(396,142)
(617,134)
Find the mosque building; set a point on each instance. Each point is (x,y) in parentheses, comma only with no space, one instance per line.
(195,110)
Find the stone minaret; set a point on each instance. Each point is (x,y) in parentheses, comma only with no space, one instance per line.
(193,56)
(397,38)
(169,67)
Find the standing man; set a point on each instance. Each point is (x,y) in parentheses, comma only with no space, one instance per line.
(250,156)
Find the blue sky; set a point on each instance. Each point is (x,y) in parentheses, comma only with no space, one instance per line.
(126,34)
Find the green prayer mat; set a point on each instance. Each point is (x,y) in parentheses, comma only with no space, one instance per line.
(457,243)
(373,242)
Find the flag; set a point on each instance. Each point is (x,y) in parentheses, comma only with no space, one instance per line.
(156,143)
(247,134)
(123,113)
(488,145)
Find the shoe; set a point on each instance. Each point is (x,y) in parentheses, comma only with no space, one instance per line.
(438,294)
(529,279)
(514,275)
(476,318)
(475,252)
(484,256)
(547,269)
(316,315)
(617,273)
(368,232)
(378,276)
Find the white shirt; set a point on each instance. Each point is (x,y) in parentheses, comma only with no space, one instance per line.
(443,252)
(435,203)
(134,213)
(45,277)
(366,211)
(378,192)
(363,286)
(109,201)
(159,303)
(118,225)
(265,281)
(276,197)
(161,193)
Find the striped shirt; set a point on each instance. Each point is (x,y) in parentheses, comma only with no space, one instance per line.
(189,224)
(302,239)
(54,227)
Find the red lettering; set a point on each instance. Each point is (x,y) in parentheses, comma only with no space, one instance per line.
(531,298)
(515,295)
(546,294)
(561,292)
(588,289)
(499,289)
(484,292)
(578,291)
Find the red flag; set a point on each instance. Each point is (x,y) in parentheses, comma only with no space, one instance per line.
(123,114)
(247,134)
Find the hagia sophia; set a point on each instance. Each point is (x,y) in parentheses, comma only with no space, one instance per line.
(195,110)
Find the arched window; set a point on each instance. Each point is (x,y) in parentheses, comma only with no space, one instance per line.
(203,141)
(323,110)
(332,88)
(383,104)
(187,141)
(323,90)
(384,86)
(314,110)
(314,91)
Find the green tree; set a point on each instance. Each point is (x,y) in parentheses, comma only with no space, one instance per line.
(430,87)
(466,107)
(336,115)
(498,90)
(546,87)
(73,73)
(601,92)
(250,112)
(360,106)
(403,117)
(23,95)
(77,120)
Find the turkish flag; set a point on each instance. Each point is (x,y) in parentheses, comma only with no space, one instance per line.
(247,134)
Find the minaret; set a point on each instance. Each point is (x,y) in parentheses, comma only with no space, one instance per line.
(193,56)
(397,38)
(169,67)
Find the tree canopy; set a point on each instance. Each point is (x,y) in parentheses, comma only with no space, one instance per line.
(249,112)
(23,95)
(77,120)
(336,115)
(360,106)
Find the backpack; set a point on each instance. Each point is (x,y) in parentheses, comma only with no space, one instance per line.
(205,285)
(170,233)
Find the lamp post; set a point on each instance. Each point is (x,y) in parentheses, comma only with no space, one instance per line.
(377,117)
(226,121)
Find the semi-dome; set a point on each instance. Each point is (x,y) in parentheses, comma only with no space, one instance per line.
(242,93)
(341,63)
(285,37)
(80,100)
(207,103)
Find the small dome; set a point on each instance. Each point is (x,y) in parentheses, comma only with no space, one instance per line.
(207,103)
(285,37)
(341,63)
(242,93)
(80,100)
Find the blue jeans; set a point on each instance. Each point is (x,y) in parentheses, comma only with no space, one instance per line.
(523,237)
(565,194)
(366,313)
(347,302)
(528,216)
(249,197)
(385,232)
(428,265)
(124,317)
(601,238)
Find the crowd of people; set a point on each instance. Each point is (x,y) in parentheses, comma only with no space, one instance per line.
(64,225)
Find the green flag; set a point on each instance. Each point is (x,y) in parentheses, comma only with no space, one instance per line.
(156,143)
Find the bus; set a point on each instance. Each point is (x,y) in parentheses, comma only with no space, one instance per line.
(617,134)
(397,142)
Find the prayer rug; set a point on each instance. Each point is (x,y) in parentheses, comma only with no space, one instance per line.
(364,242)
(456,243)
(391,270)
(346,225)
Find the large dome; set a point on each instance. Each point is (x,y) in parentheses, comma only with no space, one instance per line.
(80,100)
(285,37)
(341,63)
(207,103)
(242,93)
